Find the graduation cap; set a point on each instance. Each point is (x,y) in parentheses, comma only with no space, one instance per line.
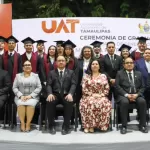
(59,42)
(11,39)
(40,41)
(142,39)
(124,46)
(2,39)
(69,43)
(28,40)
(96,44)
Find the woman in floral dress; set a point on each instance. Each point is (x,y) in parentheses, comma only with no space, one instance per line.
(95,107)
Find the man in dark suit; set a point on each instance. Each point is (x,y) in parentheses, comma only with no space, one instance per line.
(61,86)
(130,88)
(143,65)
(110,65)
(5,84)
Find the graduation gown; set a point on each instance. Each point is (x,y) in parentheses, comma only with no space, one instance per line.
(12,64)
(72,64)
(136,55)
(45,65)
(33,60)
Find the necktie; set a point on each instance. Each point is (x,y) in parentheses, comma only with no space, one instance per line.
(97,56)
(132,89)
(112,61)
(60,74)
(10,54)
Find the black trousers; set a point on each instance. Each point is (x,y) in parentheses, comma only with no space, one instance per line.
(141,106)
(3,99)
(51,110)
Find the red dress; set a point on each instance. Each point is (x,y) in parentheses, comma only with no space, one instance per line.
(95,111)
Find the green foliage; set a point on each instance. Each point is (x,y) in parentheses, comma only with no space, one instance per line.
(80,8)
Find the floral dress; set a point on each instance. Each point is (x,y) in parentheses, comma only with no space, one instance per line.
(95,107)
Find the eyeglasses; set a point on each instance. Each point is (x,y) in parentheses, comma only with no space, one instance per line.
(129,63)
(27,65)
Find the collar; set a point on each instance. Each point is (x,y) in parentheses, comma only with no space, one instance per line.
(111,56)
(28,54)
(61,70)
(86,60)
(129,72)
(11,52)
(51,57)
(138,51)
(2,52)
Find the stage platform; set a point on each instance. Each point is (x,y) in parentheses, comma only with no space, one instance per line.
(76,139)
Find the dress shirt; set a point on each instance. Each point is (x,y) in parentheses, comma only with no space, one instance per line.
(51,59)
(11,53)
(1,52)
(29,55)
(147,65)
(62,71)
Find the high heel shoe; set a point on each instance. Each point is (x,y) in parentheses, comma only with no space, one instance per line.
(91,130)
(86,130)
(22,127)
(28,127)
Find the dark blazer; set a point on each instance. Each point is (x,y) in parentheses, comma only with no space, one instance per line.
(106,66)
(5,83)
(68,85)
(122,84)
(141,66)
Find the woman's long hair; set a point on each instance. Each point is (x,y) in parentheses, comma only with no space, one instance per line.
(82,52)
(56,54)
(72,52)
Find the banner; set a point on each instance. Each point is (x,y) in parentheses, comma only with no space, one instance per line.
(5,20)
(83,31)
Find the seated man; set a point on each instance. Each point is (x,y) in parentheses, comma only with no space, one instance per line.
(130,88)
(61,85)
(5,84)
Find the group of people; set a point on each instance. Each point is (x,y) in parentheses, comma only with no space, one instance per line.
(89,81)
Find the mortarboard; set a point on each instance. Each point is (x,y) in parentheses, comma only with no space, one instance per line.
(96,44)
(40,41)
(28,40)
(59,42)
(142,39)
(2,39)
(69,43)
(12,38)
(124,46)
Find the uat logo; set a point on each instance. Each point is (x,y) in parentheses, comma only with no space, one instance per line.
(68,26)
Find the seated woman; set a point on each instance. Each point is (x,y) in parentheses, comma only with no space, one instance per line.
(26,88)
(95,107)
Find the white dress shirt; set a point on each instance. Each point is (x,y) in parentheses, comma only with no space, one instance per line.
(132,74)
(85,64)
(147,65)
(29,55)
(1,52)
(51,59)
(11,52)
(62,71)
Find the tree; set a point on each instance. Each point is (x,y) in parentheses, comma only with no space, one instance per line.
(80,8)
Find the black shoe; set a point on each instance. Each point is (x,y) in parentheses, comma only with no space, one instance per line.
(143,129)
(65,131)
(52,130)
(123,130)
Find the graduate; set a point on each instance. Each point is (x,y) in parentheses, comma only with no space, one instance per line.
(138,53)
(29,54)
(125,51)
(71,60)
(2,45)
(97,49)
(40,48)
(60,48)
(12,59)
